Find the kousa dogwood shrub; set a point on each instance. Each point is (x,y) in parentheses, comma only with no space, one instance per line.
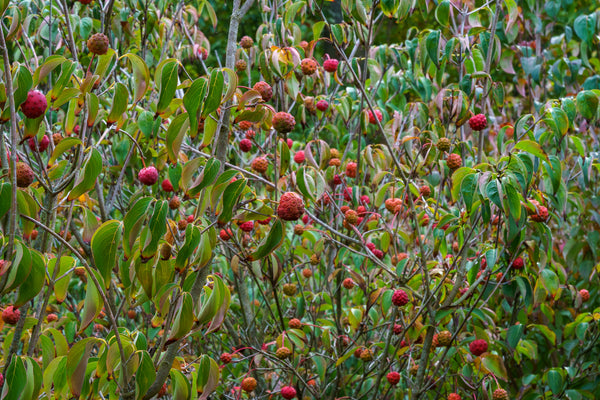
(362,199)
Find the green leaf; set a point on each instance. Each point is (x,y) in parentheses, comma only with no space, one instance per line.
(215,93)
(207,379)
(207,176)
(511,201)
(273,240)
(166,74)
(157,229)
(119,105)
(5,196)
(231,196)
(549,280)
(146,374)
(442,13)
(22,83)
(533,148)
(141,75)
(32,286)
(175,134)
(181,385)
(87,178)
(587,104)
(132,223)
(15,380)
(494,364)
(432,44)
(192,101)
(20,268)
(77,361)
(92,304)
(105,244)
(184,319)
(62,284)
(514,334)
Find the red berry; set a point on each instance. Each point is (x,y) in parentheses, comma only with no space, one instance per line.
(425,191)
(399,298)
(249,384)
(51,317)
(365,199)
(478,122)
(11,315)
(308,66)
(98,44)
(290,143)
(322,105)
(299,157)
(25,175)
(454,161)
(245,145)
(330,65)
(265,90)
(283,122)
(288,392)
(397,329)
(351,169)
(518,263)
(42,144)
(393,378)
(148,176)
(225,235)
(348,283)
(167,186)
(35,105)
(585,295)
(500,394)
(247,226)
(225,358)
(379,254)
(454,396)
(291,206)
(264,221)
(295,323)
(478,347)
(378,114)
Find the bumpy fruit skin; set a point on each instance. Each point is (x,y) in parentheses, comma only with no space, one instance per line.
(51,317)
(98,44)
(443,144)
(289,289)
(225,358)
(283,353)
(264,221)
(500,394)
(225,235)
(444,338)
(518,263)
(454,396)
(379,254)
(247,226)
(86,1)
(378,114)
(330,65)
(265,90)
(351,169)
(366,355)
(393,378)
(290,143)
(42,144)
(241,65)
(585,295)
(24,175)
(478,347)
(245,145)
(35,105)
(478,122)
(283,122)
(399,298)
(246,42)
(307,273)
(322,105)
(298,229)
(11,315)
(288,392)
(174,203)
(308,66)
(351,217)
(148,176)
(299,157)
(248,384)
(1,380)
(541,215)
(167,186)
(454,161)
(295,323)
(348,283)
(245,125)
(291,207)
(425,191)
(260,165)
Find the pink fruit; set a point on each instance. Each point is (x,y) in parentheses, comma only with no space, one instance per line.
(322,105)
(291,206)
(245,145)
(299,157)
(393,378)
(330,65)
(35,105)
(167,186)
(288,392)
(42,144)
(148,176)
(478,122)
(11,315)
(399,298)
(478,347)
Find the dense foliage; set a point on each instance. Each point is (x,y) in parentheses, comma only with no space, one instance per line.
(349,199)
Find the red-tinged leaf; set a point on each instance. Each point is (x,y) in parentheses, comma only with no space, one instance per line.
(141,75)
(104,245)
(175,134)
(184,319)
(77,361)
(273,240)
(207,379)
(93,303)
(87,178)
(223,300)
